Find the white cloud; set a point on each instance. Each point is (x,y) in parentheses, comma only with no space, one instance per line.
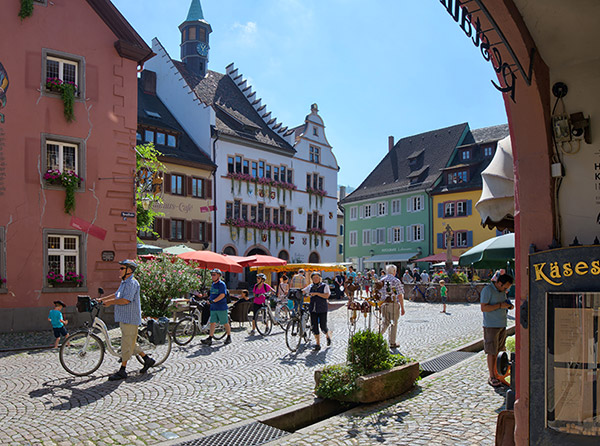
(247,33)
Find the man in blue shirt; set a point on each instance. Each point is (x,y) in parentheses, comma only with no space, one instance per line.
(495,306)
(218,307)
(128,313)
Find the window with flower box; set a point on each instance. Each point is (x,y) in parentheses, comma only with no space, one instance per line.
(64,254)
(62,154)
(65,68)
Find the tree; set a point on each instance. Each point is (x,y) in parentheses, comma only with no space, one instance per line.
(148,186)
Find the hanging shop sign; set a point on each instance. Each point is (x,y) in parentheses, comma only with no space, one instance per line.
(489,41)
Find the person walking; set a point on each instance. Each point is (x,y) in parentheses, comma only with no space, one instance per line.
(260,291)
(283,288)
(218,307)
(495,305)
(444,294)
(128,313)
(392,306)
(319,296)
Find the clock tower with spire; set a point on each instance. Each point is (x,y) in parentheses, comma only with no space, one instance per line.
(194,40)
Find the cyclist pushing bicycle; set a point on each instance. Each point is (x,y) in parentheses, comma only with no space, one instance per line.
(260,291)
(128,313)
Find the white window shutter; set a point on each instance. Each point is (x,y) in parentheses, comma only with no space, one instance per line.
(409,233)
(422,227)
(422,203)
(373,236)
(362,211)
(390,235)
(401,231)
(409,203)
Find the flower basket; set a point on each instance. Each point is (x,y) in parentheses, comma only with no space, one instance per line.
(68,91)
(53,176)
(69,280)
(69,180)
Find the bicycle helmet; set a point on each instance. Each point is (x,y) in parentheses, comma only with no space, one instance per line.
(217,271)
(129,263)
(261,276)
(315,273)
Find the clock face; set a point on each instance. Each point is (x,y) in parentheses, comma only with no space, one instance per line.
(202,49)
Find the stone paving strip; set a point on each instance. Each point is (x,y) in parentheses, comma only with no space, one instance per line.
(453,407)
(198,389)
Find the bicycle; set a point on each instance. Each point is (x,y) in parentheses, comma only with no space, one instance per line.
(82,353)
(265,317)
(298,328)
(195,324)
(430,295)
(472,293)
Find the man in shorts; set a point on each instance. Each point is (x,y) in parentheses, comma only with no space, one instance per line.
(495,305)
(218,307)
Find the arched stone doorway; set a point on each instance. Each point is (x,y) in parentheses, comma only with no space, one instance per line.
(314,257)
(284,255)
(258,250)
(230,251)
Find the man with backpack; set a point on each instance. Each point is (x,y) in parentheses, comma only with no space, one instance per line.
(218,307)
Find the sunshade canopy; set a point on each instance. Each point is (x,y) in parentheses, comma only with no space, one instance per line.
(177,249)
(493,253)
(258,260)
(325,267)
(435,258)
(210,260)
(148,249)
(396,257)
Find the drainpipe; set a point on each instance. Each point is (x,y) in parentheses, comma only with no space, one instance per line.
(215,191)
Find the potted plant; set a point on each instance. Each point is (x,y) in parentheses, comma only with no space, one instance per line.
(67,91)
(370,374)
(69,280)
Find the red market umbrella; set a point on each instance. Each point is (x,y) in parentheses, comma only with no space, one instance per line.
(210,260)
(436,258)
(258,260)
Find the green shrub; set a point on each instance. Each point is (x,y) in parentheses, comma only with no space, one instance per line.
(511,344)
(368,352)
(166,278)
(337,381)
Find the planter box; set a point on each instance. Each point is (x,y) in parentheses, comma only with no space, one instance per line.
(383,385)
(457,292)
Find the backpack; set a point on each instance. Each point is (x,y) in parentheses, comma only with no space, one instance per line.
(157,330)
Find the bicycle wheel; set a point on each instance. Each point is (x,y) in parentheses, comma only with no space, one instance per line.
(220,331)
(473,295)
(184,331)
(263,321)
(293,334)
(283,316)
(82,353)
(306,329)
(431,294)
(412,296)
(158,352)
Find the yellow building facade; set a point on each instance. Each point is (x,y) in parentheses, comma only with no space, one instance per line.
(457,209)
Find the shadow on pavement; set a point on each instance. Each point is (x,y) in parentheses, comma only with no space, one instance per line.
(82,397)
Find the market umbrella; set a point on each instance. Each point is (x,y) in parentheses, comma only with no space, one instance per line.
(148,249)
(258,260)
(209,260)
(493,253)
(436,258)
(177,249)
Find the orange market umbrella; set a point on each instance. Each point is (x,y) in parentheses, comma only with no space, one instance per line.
(210,260)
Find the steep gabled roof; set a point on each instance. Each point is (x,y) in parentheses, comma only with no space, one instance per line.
(150,105)
(475,141)
(235,115)
(129,44)
(393,174)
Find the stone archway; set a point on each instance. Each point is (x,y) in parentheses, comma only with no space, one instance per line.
(284,255)
(230,251)
(314,257)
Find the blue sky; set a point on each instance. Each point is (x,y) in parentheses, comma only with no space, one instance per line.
(375,69)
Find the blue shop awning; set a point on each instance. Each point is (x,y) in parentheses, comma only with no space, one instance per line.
(389,258)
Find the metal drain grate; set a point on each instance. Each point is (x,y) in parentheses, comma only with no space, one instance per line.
(443,362)
(248,435)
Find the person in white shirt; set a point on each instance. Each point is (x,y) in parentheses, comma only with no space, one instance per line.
(425,277)
(407,277)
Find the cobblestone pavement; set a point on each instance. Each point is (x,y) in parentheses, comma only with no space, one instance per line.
(454,407)
(199,388)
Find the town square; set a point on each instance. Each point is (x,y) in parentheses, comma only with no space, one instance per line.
(299,222)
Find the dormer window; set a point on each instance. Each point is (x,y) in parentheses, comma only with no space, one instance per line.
(315,131)
(460,176)
(466,155)
(488,151)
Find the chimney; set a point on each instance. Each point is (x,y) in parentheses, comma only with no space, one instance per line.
(149,82)
(342,192)
(390,143)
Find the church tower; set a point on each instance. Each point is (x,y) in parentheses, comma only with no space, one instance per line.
(194,40)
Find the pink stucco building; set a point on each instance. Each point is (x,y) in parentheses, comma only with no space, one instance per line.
(90,44)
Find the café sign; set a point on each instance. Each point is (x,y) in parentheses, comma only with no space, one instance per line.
(473,29)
